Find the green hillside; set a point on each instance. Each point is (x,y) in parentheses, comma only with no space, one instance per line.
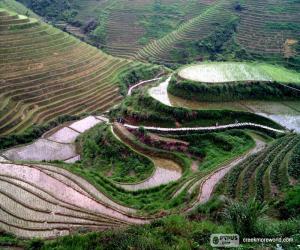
(149,124)
(46,73)
(175,31)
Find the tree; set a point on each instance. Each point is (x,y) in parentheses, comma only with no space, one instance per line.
(244,216)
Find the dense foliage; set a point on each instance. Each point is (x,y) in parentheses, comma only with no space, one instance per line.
(294,163)
(146,110)
(252,90)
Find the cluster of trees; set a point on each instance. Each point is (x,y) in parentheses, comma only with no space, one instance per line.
(52,10)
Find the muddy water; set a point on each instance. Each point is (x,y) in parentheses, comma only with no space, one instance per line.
(165,172)
(286,113)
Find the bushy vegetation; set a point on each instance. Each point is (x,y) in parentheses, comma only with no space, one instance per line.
(102,152)
(244,216)
(146,111)
(261,175)
(52,9)
(253,90)
(294,163)
(180,232)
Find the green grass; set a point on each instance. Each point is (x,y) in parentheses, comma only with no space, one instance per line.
(211,148)
(103,153)
(215,149)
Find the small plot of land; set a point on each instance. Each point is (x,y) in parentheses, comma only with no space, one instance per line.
(235,71)
(64,135)
(57,146)
(165,172)
(41,150)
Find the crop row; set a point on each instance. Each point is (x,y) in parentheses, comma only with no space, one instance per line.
(261,175)
(50,74)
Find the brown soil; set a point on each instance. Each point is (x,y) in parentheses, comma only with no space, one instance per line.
(288,49)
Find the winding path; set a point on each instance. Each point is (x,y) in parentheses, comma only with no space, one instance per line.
(208,183)
(141,83)
(211,128)
(165,171)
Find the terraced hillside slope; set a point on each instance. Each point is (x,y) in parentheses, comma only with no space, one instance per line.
(270,29)
(46,73)
(266,174)
(260,30)
(176,31)
(121,27)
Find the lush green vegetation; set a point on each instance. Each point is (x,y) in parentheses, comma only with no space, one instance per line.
(213,149)
(182,232)
(259,197)
(103,153)
(144,109)
(294,163)
(255,90)
(259,175)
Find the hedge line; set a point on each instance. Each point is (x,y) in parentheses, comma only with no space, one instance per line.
(252,90)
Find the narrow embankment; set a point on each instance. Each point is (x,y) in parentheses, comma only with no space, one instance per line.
(211,128)
(165,171)
(208,183)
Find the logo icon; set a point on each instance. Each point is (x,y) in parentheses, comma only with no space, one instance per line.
(224,240)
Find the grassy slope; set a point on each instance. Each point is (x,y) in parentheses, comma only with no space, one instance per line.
(103,153)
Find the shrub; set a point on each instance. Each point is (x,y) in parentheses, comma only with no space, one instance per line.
(244,216)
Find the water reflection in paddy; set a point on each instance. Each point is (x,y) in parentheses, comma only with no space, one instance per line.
(286,113)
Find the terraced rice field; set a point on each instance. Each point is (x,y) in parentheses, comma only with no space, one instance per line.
(260,30)
(286,113)
(125,24)
(38,201)
(235,71)
(265,174)
(54,145)
(46,73)
(196,28)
